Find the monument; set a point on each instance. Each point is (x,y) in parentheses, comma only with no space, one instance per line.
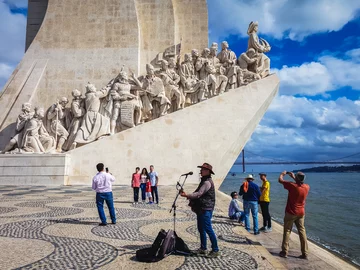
(140,92)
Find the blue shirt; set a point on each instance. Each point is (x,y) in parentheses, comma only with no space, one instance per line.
(233,207)
(253,193)
(153,176)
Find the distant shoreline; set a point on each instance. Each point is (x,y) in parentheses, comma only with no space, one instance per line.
(327,169)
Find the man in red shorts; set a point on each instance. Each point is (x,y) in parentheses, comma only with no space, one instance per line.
(295,211)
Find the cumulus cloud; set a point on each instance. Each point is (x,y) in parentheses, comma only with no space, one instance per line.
(328,129)
(280,18)
(327,74)
(308,79)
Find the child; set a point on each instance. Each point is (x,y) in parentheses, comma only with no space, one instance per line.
(234,209)
(148,191)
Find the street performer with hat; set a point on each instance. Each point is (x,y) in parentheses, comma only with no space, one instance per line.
(202,202)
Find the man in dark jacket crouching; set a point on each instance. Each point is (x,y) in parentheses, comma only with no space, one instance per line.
(202,202)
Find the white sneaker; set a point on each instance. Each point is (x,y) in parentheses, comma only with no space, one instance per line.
(268,230)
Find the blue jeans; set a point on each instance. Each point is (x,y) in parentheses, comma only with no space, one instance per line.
(205,227)
(154,193)
(108,198)
(143,189)
(239,216)
(253,206)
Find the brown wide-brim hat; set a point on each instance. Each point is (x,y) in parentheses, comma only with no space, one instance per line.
(207,166)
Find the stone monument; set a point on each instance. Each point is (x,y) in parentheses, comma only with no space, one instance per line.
(182,108)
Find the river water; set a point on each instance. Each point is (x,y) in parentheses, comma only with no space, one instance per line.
(332,208)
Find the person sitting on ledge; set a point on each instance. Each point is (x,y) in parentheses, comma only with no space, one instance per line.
(234,209)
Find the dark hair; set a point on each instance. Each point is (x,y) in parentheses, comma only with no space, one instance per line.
(100,167)
(146,172)
(137,168)
(152,166)
(233,194)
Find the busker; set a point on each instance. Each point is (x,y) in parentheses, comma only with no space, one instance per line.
(295,211)
(202,202)
(251,194)
(264,203)
(102,184)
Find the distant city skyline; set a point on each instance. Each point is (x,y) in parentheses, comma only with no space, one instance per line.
(315,52)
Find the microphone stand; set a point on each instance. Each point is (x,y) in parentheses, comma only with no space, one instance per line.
(173,207)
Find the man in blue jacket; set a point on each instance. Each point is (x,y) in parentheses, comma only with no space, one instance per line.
(251,195)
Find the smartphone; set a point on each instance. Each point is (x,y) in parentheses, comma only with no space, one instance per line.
(107,170)
(288,173)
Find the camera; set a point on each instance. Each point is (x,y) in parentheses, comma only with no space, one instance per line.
(107,169)
(288,173)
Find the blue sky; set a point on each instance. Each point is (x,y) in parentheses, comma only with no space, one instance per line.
(315,52)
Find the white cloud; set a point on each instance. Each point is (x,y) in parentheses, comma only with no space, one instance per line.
(329,73)
(308,79)
(329,129)
(280,18)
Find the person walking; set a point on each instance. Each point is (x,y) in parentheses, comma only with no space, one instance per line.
(143,179)
(264,203)
(135,184)
(202,202)
(251,194)
(154,180)
(102,184)
(295,211)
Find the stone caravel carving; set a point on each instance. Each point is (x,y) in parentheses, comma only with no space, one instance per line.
(125,103)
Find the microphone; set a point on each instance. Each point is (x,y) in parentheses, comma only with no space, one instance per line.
(186,174)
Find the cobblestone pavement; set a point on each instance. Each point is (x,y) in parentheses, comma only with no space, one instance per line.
(57,228)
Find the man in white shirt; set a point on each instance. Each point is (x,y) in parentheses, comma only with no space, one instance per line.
(102,183)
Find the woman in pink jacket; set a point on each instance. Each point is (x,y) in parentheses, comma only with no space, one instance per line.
(135,184)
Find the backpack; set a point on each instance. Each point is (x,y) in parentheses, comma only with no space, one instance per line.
(163,246)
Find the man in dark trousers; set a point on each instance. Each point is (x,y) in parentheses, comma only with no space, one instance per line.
(251,195)
(102,184)
(295,211)
(202,202)
(264,203)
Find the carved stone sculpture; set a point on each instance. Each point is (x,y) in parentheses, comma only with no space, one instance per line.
(35,138)
(207,72)
(194,89)
(228,61)
(122,107)
(125,103)
(171,83)
(94,124)
(24,116)
(261,46)
(77,112)
(153,96)
(246,61)
(221,79)
(58,121)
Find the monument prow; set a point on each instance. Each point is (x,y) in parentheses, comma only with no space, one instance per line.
(214,131)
